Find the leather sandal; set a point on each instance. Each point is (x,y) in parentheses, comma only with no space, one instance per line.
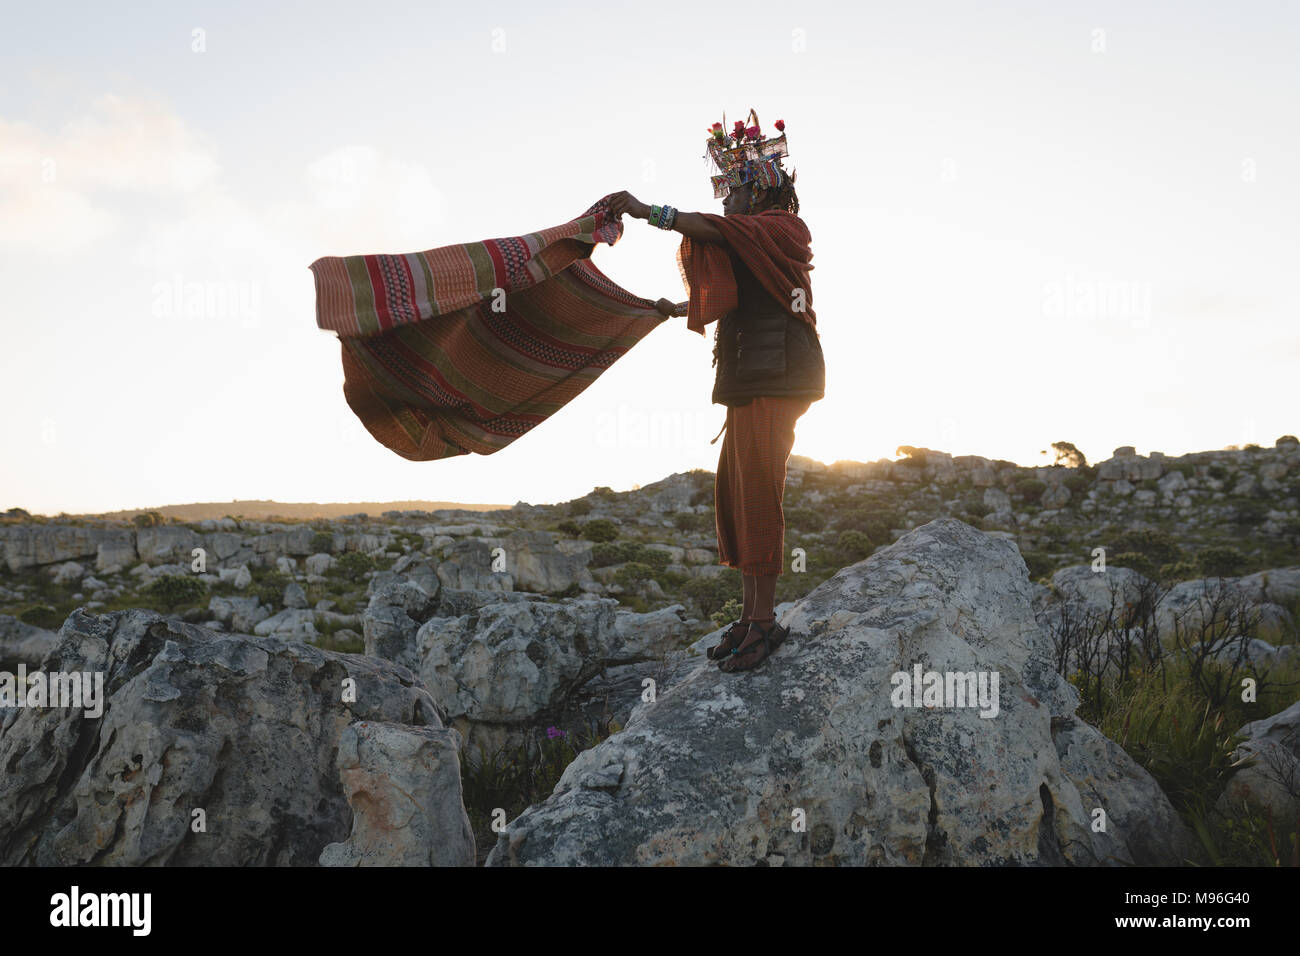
(769,640)
(730,641)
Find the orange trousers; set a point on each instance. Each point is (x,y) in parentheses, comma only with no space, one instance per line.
(750,485)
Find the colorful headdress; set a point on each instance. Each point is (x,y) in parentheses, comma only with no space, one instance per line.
(746,155)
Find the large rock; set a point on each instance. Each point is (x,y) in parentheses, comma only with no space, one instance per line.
(808,760)
(403,784)
(245,730)
(468,564)
(1268,778)
(23,643)
(537,564)
(25,546)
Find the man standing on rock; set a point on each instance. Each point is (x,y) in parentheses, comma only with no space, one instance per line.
(750,269)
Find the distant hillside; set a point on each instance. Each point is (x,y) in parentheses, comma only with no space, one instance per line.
(297,510)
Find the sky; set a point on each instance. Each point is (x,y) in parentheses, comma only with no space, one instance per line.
(1030,222)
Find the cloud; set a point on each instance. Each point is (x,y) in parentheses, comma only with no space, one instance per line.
(53,183)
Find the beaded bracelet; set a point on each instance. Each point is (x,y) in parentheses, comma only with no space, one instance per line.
(655,213)
(668,217)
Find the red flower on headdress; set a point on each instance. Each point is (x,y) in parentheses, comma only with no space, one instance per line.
(739,130)
(753,132)
(780,126)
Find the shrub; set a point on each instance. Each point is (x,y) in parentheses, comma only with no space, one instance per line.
(1078,484)
(711,593)
(976,508)
(875,523)
(1135,560)
(693,521)
(579,507)
(600,529)
(604,493)
(805,519)
(41,615)
(352,566)
(571,528)
(1220,561)
(607,553)
(1030,489)
(632,574)
(854,545)
(1158,546)
(322,543)
(148,519)
(1039,565)
(173,590)
(729,612)
(1178,571)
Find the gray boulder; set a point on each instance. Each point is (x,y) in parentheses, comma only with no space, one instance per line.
(815,758)
(212,749)
(23,643)
(403,784)
(1268,761)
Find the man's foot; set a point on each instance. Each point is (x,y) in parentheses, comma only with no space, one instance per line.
(764,637)
(731,639)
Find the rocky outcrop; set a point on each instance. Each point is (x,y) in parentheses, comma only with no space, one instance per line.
(1267,778)
(815,759)
(215,749)
(22,643)
(403,784)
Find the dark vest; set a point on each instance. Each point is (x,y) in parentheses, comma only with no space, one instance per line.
(760,349)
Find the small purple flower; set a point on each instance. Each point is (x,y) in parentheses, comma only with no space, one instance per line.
(554,732)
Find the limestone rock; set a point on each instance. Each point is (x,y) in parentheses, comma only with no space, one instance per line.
(715,770)
(403,784)
(245,729)
(1268,777)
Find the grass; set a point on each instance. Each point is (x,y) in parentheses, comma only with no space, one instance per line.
(1168,718)
(501,785)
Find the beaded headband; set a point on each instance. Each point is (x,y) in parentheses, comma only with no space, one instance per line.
(746,155)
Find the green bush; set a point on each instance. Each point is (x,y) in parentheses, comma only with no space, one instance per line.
(1030,489)
(351,566)
(41,615)
(1136,561)
(322,543)
(1220,561)
(607,553)
(578,507)
(854,545)
(174,590)
(805,519)
(976,508)
(1158,546)
(148,519)
(600,529)
(1178,571)
(729,612)
(711,593)
(694,521)
(875,523)
(1078,484)
(1039,565)
(632,574)
(571,528)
